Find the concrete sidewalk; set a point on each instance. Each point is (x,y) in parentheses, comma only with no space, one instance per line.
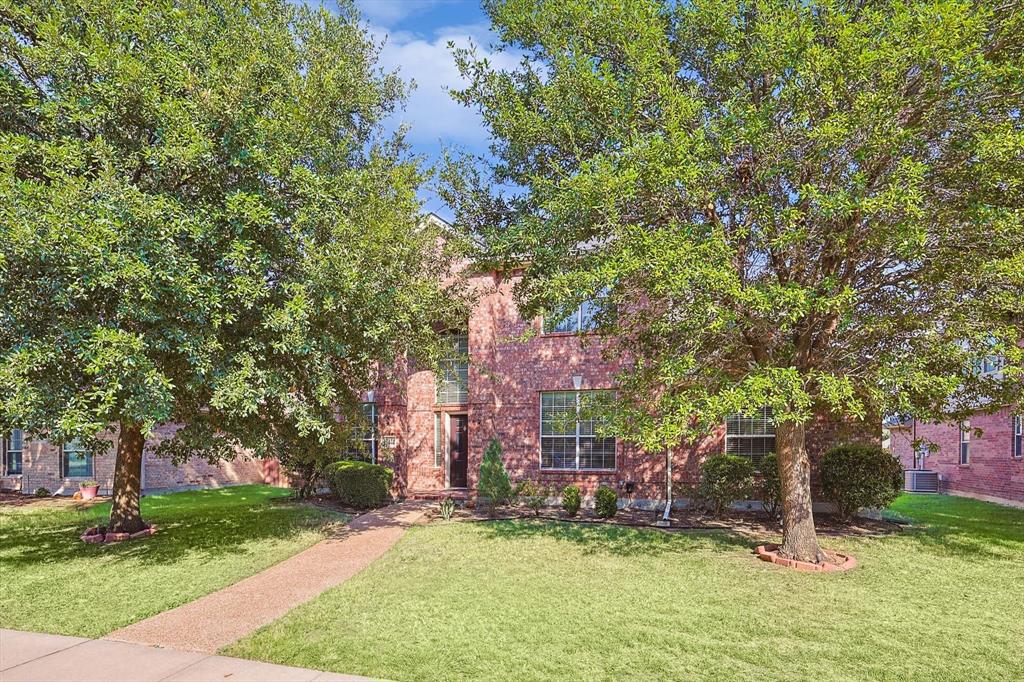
(35,657)
(212,622)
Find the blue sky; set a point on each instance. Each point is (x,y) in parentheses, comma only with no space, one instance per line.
(415,34)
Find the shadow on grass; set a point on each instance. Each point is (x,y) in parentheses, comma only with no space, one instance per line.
(963,527)
(210,523)
(617,540)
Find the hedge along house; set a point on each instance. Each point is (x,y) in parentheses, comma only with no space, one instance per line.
(526,382)
(28,465)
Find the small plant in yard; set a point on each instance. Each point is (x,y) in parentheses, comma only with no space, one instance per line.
(42,492)
(725,479)
(532,495)
(359,484)
(571,500)
(494,488)
(447,508)
(771,486)
(606,502)
(855,476)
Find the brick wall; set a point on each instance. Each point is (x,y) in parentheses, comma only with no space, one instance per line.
(991,472)
(507,374)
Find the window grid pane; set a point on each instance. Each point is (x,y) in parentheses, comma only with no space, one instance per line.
(14,447)
(1018,436)
(751,435)
(437,439)
(565,433)
(77,462)
(453,377)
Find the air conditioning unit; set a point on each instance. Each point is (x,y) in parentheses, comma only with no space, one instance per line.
(921,481)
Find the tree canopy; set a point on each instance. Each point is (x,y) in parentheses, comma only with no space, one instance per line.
(815,206)
(202,221)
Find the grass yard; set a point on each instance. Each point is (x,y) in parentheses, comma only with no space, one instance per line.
(206,540)
(535,600)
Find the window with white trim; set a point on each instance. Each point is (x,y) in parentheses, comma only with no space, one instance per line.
(365,430)
(14,448)
(965,442)
(751,435)
(438,451)
(582,319)
(452,383)
(570,426)
(76,461)
(1018,427)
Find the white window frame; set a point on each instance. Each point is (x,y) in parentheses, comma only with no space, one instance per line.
(1017,441)
(580,324)
(451,371)
(75,447)
(7,450)
(766,416)
(578,437)
(372,440)
(964,454)
(438,441)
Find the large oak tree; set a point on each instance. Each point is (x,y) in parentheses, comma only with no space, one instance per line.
(814,206)
(202,221)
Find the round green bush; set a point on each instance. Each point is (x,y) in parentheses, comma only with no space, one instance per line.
(571,500)
(606,502)
(42,492)
(724,479)
(854,476)
(359,484)
(771,485)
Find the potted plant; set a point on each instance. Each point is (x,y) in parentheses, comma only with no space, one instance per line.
(89,489)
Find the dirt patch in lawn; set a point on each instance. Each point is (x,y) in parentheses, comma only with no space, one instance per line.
(17,500)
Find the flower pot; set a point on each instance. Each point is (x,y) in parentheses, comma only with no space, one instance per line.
(89,491)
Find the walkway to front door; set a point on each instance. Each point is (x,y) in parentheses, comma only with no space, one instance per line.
(458,463)
(216,620)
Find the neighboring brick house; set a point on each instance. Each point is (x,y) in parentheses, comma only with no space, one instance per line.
(29,465)
(980,458)
(521,376)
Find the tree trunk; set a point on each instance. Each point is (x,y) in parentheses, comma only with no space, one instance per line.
(799,541)
(125,516)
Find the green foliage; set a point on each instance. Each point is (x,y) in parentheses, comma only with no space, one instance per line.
(494,487)
(532,495)
(725,479)
(203,221)
(447,508)
(571,500)
(87,484)
(606,502)
(360,485)
(42,492)
(856,476)
(771,485)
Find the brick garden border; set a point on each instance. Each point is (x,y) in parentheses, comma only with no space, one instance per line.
(770,553)
(93,536)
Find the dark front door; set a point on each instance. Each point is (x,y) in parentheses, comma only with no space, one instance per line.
(459,451)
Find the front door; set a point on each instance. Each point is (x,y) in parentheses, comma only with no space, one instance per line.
(458,451)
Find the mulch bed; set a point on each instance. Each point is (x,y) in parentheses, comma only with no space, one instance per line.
(11,499)
(747,523)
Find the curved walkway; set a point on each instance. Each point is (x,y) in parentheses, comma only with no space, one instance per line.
(212,622)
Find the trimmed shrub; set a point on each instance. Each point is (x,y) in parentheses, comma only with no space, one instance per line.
(532,495)
(494,487)
(42,492)
(606,502)
(359,484)
(571,500)
(771,486)
(854,476)
(725,479)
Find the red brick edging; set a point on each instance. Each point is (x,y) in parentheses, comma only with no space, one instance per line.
(94,537)
(770,553)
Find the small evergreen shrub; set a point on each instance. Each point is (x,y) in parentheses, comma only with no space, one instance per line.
(771,486)
(606,502)
(532,495)
(854,476)
(359,484)
(447,508)
(494,487)
(724,479)
(42,492)
(571,500)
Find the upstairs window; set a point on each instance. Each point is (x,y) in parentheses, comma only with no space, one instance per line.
(364,431)
(965,443)
(14,446)
(582,319)
(1018,427)
(76,461)
(751,435)
(452,383)
(569,432)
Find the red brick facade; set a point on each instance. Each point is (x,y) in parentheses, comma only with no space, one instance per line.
(510,364)
(991,472)
(41,468)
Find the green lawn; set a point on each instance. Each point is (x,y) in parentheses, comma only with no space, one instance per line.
(534,600)
(206,540)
